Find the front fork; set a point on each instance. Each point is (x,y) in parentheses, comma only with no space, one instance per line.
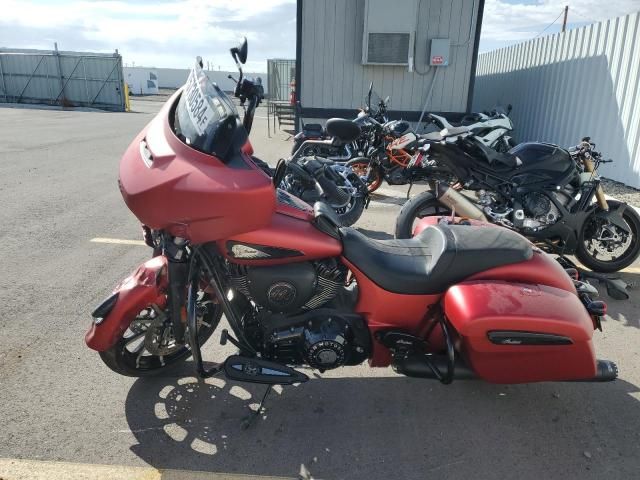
(602,201)
(178,270)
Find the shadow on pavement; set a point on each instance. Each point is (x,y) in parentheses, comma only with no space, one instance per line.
(623,311)
(389,427)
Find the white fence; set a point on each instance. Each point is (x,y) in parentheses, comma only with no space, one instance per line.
(176,77)
(70,79)
(584,82)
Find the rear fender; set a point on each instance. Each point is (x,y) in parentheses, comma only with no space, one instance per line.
(144,287)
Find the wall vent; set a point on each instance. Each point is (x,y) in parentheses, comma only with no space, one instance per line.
(388,32)
(388,48)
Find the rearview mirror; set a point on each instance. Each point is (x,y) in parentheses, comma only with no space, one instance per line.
(240,52)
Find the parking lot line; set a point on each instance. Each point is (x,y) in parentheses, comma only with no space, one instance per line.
(118,241)
(20,469)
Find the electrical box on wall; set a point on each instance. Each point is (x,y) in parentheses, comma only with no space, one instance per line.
(439,56)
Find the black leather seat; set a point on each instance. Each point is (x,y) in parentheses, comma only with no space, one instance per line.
(496,159)
(437,258)
(343,130)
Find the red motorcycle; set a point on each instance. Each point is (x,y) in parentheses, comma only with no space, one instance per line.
(459,300)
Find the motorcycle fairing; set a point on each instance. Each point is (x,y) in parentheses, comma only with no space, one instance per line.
(169,185)
(144,287)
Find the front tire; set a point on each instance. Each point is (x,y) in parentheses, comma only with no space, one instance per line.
(589,249)
(420,206)
(127,357)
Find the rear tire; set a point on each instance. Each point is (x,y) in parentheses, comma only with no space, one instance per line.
(420,206)
(352,212)
(588,259)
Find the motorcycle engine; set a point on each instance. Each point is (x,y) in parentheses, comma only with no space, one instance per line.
(321,338)
(287,320)
(397,176)
(539,211)
(291,287)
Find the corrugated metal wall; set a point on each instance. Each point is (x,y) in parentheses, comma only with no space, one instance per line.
(61,78)
(584,82)
(333,75)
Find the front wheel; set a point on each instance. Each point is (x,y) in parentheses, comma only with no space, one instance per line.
(420,206)
(604,247)
(147,347)
(370,175)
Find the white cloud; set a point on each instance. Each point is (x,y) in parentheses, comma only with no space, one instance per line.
(167,33)
(508,22)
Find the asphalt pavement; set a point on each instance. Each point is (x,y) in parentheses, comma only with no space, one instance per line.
(58,402)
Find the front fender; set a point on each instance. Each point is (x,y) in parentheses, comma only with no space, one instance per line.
(144,287)
(614,214)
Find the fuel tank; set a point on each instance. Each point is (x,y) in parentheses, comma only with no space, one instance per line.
(169,185)
(542,163)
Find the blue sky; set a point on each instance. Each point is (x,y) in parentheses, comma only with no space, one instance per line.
(170,33)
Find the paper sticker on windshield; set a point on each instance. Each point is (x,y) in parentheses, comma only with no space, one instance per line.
(198,108)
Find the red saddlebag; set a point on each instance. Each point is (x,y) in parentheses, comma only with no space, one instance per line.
(520,333)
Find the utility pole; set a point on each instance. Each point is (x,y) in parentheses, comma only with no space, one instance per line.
(564,22)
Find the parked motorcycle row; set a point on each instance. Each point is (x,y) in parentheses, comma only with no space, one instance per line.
(468,290)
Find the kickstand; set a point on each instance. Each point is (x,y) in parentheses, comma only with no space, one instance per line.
(248,421)
(409,190)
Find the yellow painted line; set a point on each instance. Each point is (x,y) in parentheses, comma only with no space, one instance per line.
(118,241)
(19,469)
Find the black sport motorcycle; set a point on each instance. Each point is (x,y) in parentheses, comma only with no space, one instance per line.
(551,195)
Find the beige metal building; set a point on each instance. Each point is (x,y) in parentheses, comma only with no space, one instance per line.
(414,51)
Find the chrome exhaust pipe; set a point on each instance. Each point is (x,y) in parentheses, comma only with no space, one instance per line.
(458,203)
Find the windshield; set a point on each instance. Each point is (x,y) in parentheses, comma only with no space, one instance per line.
(206,119)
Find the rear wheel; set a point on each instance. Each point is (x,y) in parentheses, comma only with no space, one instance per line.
(147,347)
(420,206)
(352,212)
(370,176)
(604,247)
